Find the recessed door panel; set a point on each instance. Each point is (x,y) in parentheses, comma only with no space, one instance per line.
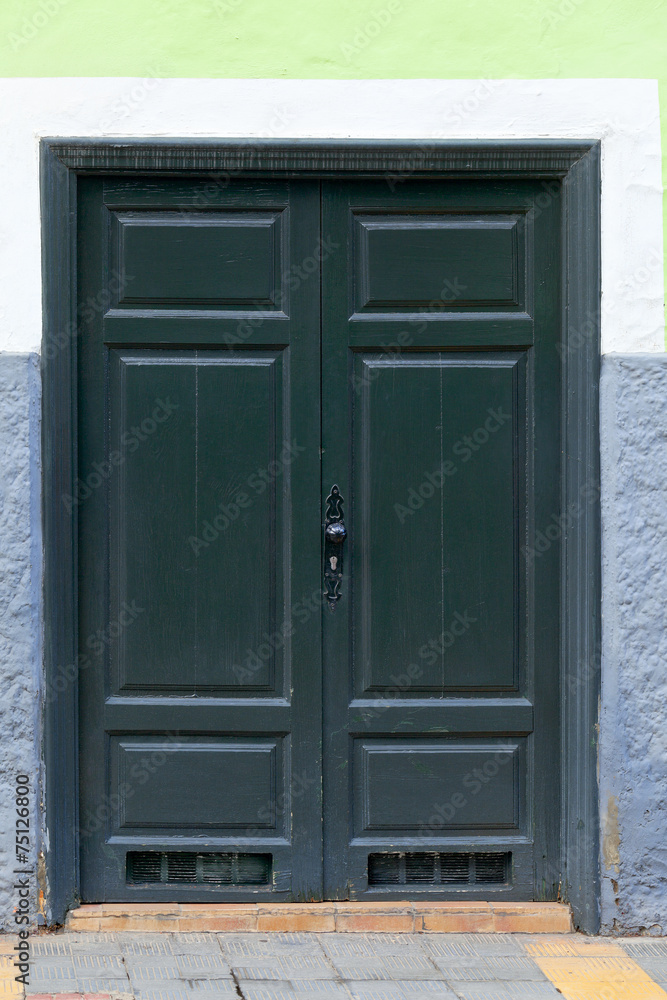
(414,787)
(166,785)
(190,512)
(237,254)
(438,262)
(438,468)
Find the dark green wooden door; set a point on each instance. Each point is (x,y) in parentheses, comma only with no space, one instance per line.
(441,397)
(246,347)
(199,539)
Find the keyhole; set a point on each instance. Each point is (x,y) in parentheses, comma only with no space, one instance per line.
(333,560)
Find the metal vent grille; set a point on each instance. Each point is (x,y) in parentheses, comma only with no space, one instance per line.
(432,868)
(188,868)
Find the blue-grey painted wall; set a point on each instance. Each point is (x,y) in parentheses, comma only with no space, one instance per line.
(633,721)
(20,598)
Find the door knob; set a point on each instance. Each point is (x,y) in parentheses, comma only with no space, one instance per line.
(336,532)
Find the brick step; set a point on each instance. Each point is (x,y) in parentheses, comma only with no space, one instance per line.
(402,917)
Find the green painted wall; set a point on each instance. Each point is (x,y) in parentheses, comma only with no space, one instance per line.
(342,39)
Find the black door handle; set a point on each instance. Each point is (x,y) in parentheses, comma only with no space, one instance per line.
(335,534)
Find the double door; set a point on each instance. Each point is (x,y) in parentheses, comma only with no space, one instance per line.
(318,491)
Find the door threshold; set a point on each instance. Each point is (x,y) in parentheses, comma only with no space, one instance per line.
(400,917)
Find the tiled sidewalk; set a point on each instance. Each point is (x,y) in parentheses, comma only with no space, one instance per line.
(341,967)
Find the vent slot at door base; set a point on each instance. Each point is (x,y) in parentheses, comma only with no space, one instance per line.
(188,868)
(431,868)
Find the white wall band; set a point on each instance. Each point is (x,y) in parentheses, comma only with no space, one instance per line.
(624,114)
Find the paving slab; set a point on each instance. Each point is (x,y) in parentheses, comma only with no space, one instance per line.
(335,966)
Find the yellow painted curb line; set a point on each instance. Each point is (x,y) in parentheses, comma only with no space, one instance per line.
(590,969)
(8,985)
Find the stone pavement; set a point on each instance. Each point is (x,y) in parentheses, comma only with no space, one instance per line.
(276,966)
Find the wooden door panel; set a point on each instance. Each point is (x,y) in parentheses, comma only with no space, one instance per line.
(438,263)
(165,785)
(193,503)
(437,507)
(199,532)
(402,786)
(237,255)
(441,401)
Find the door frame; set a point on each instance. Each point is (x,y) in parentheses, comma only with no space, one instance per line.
(576,164)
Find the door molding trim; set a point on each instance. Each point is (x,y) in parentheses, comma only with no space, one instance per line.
(323,157)
(577,166)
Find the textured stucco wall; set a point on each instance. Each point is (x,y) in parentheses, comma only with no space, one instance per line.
(633,724)
(20,587)
(633,743)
